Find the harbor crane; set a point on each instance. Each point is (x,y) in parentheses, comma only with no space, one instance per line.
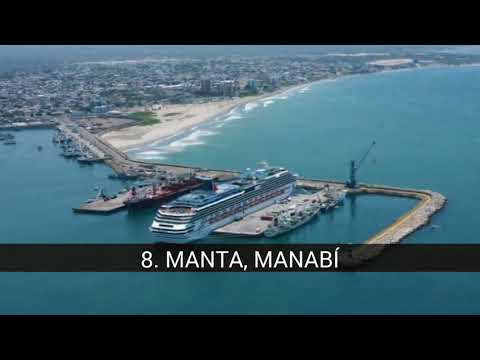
(354,166)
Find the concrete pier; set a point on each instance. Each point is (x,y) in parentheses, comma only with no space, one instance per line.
(429,202)
(82,140)
(123,165)
(255,224)
(103,206)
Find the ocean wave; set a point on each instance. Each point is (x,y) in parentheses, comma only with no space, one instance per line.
(190,140)
(304,90)
(233,117)
(232,112)
(250,106)
(149,153)
(268,103)
(161,152)
(157,157)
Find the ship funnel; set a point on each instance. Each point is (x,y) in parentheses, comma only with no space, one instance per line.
(263,164)
(208,183)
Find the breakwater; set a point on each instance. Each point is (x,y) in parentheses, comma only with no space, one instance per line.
(430,202)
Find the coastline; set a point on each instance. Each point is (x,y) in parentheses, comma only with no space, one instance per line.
(138,136)
(186,116)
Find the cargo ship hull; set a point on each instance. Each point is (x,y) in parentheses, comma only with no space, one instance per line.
(153,202)
(160,199)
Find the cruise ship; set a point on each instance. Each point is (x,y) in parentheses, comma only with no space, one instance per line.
(195,215)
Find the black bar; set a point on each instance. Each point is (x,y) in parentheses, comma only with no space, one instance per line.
(239,258)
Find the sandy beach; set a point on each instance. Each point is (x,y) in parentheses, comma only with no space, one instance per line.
(177,118)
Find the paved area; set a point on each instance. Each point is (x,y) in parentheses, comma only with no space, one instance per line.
(255,224)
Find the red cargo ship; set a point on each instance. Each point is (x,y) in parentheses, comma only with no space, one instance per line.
(157,196)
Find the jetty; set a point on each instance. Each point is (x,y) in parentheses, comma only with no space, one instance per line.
(101,206)
(429,203)
(256,223)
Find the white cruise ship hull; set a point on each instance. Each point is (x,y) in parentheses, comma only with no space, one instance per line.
(201,231)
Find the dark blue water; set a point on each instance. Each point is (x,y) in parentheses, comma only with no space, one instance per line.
(427,130)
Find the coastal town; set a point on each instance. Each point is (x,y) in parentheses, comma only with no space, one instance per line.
(130,91)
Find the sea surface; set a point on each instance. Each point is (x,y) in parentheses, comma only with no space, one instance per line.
(426,125)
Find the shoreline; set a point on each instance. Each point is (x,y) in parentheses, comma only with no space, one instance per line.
(159,132)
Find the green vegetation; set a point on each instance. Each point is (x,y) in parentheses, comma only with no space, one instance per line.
(248,93)
(144,117)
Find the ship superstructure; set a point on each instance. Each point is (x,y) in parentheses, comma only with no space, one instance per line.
(195,215)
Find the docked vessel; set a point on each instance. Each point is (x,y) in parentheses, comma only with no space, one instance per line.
(194,216)
(291,220)
(162,194)
(7,138)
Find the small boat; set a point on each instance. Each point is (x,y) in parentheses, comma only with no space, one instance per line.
(6,136)
(70,153)
(87,159)
(84,160)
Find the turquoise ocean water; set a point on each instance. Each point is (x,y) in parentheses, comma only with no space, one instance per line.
(426,125)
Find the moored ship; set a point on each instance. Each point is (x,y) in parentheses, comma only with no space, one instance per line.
(194,216)
(161,194)
(292,220)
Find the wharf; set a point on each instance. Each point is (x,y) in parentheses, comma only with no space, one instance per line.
(419,216)
(102,206)
(82,140)
(111,205)
(255,224)
(429,202)
(122,164)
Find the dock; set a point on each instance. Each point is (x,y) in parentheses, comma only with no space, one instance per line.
(112,204)
(101,206)
(430,202)
(125,167)
(82,140)
(255,224)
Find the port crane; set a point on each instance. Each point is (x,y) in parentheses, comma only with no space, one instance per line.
(355,165)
